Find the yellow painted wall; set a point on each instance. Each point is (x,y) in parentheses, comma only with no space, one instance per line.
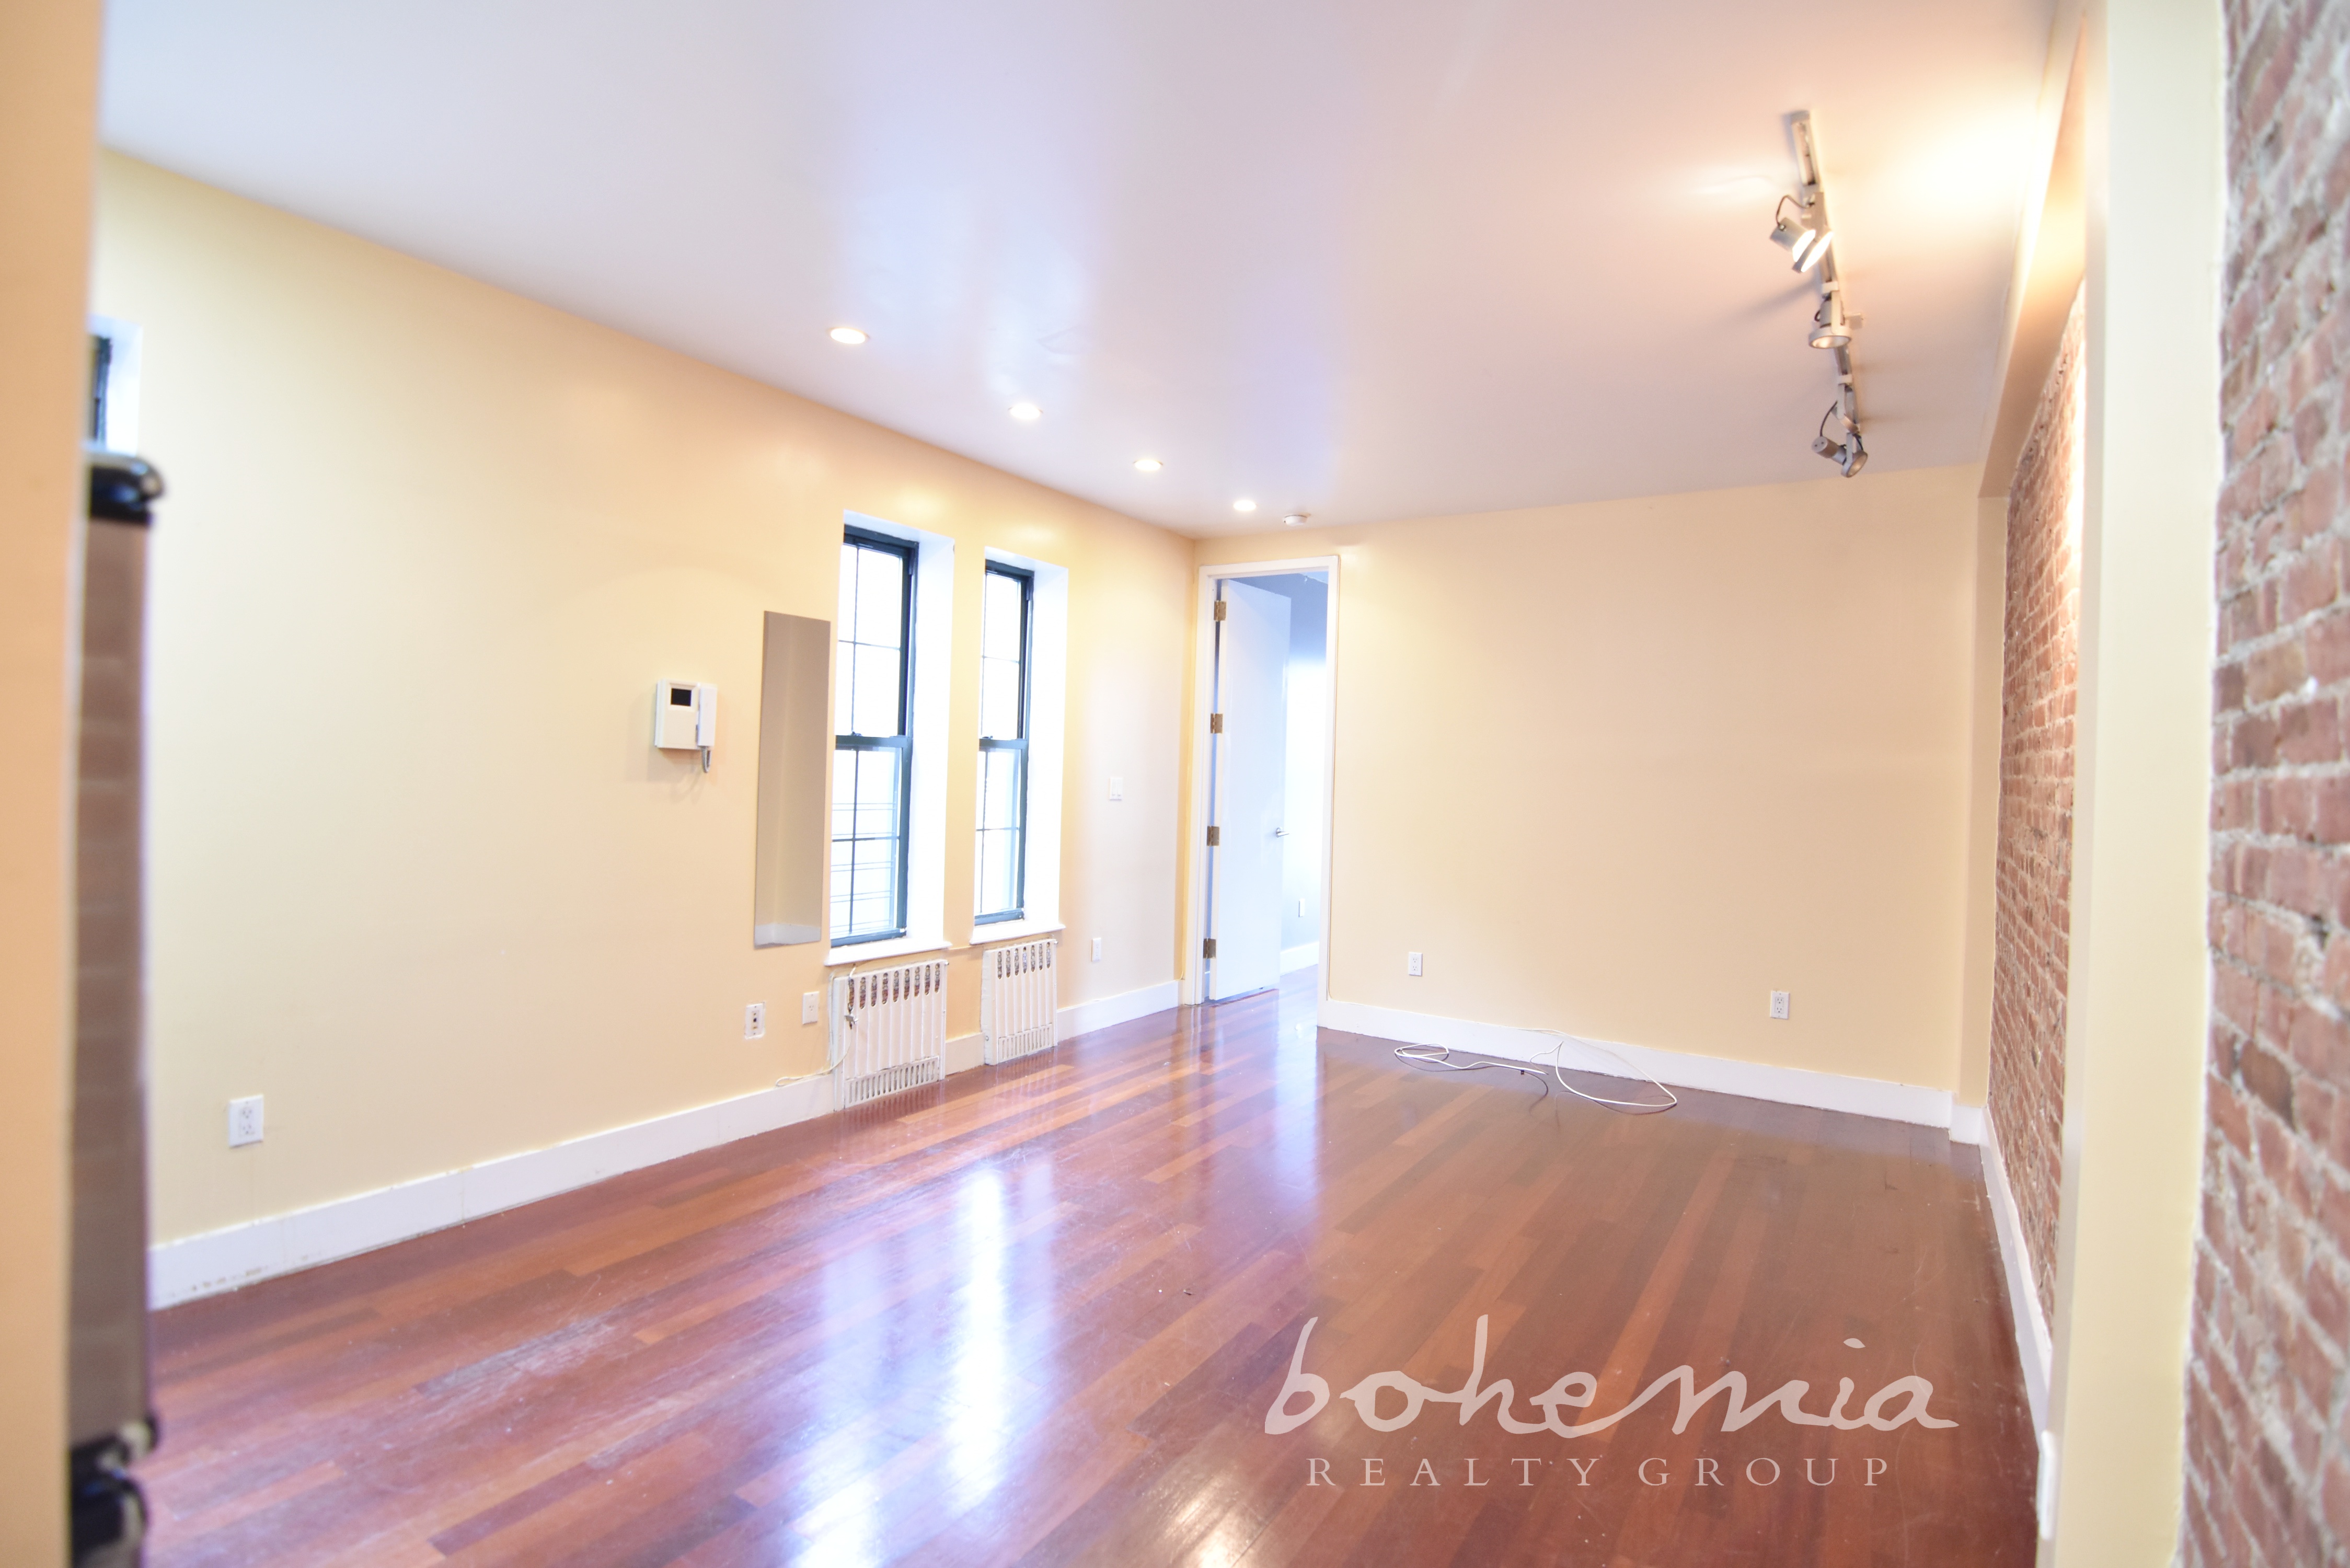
(418,876)
(2137,1014)
(48,97)
(1624,769)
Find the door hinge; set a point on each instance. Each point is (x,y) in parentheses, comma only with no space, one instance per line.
(1208,948)
(1221,606)
(1215,724)
(1215,837)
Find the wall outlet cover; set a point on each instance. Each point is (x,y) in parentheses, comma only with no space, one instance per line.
(754,1021)
(1411,963)
(245,1121)
(1781,1004)
(811,1006)
(1117,786)
(1097,950)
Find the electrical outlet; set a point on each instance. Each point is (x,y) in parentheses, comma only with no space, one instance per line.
(754,1021)
(1411,963)
(1781,1004)
(1097,950)
(1117,786)
(245,1121)
(1301,908)
(811,1006)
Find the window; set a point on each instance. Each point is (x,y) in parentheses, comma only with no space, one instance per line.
(111,419)
(101,371)
(1003,642)
(872,763)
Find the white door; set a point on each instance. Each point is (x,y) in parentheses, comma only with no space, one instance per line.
(1248,760)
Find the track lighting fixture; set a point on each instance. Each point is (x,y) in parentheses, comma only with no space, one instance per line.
(1804,233)
(1829,328)
(1801,225)
(1848,455)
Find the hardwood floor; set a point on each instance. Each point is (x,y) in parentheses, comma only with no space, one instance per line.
(1039,1314)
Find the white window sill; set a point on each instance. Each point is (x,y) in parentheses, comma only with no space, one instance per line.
(898,947)
(1012,932)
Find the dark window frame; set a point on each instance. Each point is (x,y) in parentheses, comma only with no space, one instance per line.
(1027,581)
(101,385)
(902,742)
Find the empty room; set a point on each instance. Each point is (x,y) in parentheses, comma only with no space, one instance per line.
(796,782)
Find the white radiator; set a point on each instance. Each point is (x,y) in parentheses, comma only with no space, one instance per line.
(889,1030)
(1020,999)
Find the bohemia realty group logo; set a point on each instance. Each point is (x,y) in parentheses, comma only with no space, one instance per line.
(1899,1402)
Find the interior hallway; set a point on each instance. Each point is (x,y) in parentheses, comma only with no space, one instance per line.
(1038,1314)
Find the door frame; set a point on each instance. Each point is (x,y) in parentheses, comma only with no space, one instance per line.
(1195,848)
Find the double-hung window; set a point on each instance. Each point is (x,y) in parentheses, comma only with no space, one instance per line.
(1006,609)
(872,751)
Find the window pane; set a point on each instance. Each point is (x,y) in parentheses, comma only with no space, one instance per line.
(873,696)
(867,850)
(999,699)
(848,554)
(999,788)
(999,621)
(844,685)
(999,872)
(880,598)
(877,791)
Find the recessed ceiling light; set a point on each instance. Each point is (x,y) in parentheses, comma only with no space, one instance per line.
(848,334)
(1149,464)
(1026,412)
(1243,506)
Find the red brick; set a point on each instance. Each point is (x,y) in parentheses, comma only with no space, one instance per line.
(2033,877)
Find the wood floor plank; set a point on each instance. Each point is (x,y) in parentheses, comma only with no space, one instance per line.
(1038,1314)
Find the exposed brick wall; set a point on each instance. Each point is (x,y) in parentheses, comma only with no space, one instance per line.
(2041,660)
(2268,1476)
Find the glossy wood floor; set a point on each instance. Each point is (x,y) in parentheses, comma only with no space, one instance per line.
(1039,1314)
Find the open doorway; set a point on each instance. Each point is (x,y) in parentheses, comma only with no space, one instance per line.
(1262,777)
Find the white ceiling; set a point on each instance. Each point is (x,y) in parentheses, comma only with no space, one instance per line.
(1362,258)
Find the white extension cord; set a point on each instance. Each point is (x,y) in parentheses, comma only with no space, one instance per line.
(1441,1057)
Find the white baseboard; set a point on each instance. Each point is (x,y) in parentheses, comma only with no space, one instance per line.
(1084,1017)
(2035,1345)
(1305,955)
(1681,1070)
(1968,1124)
(223,1260)
(964,1052)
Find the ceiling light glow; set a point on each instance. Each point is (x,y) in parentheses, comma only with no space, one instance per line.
(1149,464)
(848,334)
(1244,504)
(1026,412)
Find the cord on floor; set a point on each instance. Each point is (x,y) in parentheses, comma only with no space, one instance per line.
(1439,1057)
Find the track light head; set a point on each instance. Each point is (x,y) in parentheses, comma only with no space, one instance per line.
(1829,328)
(1801,232)
(1849,457)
